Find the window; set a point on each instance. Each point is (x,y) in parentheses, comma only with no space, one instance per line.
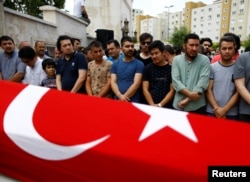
(233,12)
(225,1)
(242,2)
(224,17)
(234,4)
(209,9)
(218,15)
(240,28)
(225,9)
(201,32)
(195,12)
(202,18)
(241,11)
(232,29)
(209,17)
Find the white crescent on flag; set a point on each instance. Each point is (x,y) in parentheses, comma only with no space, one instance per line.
(18,125)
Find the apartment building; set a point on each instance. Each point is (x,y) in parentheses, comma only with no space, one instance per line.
(211,20)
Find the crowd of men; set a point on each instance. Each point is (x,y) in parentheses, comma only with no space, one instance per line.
(188,78)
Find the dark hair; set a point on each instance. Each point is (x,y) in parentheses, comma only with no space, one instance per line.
(86,50)
(177,49)
(95,43)
(227,39)
(169,49)
(191,36)
(75,39)
(6,38)
(206,39)
(60,38)
(38,42)
(115,42)
(145,36)
(125,39)
(27,52)
(48,62)
(156,44)
(236,38)
(247,49)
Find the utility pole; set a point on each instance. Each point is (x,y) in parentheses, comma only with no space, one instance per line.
(168,7)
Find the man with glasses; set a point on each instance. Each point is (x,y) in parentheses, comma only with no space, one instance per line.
(144,55)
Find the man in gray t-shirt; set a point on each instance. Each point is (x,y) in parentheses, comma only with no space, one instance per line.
(11,67)
(221,93)
(242,82)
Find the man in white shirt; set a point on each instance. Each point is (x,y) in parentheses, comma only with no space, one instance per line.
(34,71)
(80,11)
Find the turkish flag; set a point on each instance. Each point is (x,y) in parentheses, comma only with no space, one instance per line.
(49,135)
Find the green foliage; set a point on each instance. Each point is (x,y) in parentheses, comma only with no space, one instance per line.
(178,36)
(215,45)
(246,43)
(31,7)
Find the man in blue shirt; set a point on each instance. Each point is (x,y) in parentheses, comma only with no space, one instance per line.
(11,67)
(72,68)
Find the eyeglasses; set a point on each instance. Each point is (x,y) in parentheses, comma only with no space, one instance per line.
(144,43)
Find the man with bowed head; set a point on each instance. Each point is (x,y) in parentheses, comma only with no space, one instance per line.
(190,77)
(126,74)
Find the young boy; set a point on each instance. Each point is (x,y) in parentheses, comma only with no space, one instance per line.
(49,66)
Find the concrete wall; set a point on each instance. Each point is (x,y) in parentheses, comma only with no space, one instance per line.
(110,15)
(54,23)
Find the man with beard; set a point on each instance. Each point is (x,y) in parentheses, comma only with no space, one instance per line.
(11,67)
(126,74)
(71,68)
(190,77)
(144,55)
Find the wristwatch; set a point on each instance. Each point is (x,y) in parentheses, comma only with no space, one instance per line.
(159,105)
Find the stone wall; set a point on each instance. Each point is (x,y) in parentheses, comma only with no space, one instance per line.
(55,22)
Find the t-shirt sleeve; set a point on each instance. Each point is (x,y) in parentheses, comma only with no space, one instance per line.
(113,68)
(146,73)
(82,62)
(139,67)
(239,68)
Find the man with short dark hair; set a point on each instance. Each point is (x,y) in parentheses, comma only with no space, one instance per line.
(207,43)
(11,67)
(157,81)
(34,71)
(114,50)
(71,68)
(76,44)
(40,50)
(144,55)
(126,74)
(98,75)
(221,94)
(190,77)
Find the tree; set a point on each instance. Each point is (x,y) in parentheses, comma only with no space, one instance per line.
(31,7)
(246,43)
(178,36)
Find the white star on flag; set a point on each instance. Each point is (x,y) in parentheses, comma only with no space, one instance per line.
(161,117)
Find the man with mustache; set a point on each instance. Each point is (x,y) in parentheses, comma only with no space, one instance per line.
(11,66)
(190,77)
(126,74)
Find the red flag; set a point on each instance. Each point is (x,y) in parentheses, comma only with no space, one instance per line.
(58,136)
